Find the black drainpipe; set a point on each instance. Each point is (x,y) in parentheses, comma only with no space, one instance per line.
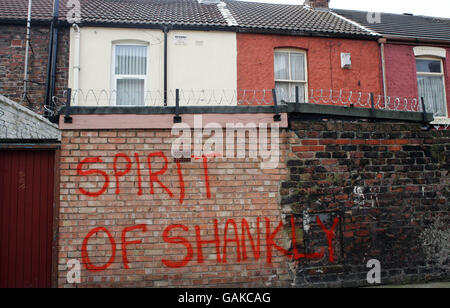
(166,31)
(52,56)
(49,67)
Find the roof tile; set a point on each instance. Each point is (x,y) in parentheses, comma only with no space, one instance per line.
(249,15)
(401,25)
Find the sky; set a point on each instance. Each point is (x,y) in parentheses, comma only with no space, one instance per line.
(438,8)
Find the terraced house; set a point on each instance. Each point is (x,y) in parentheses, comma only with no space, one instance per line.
(207,49)
(218,53)
(415,57)
(356,173)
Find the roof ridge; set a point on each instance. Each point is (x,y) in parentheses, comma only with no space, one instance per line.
(269,3)
(355,23)
(294,19)
(390,13)
(398,25)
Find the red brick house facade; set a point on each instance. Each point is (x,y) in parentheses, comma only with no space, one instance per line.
(401,73)
(323,62)
(417,62)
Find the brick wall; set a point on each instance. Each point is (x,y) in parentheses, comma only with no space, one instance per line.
(256,62)
(12,63)
(401,72)
(238,189)
(344,193)
(387,188)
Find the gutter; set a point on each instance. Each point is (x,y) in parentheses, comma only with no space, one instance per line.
(392,39)
(49,59)
(52,57)
(382,41)
(76,63)
(27,50)
(35,22)
(223,28)
(54,54)
(166,31)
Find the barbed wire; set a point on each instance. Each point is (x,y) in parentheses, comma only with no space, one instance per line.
(444,126)
(264,97)
(363,100)
(189,97)
(57,104)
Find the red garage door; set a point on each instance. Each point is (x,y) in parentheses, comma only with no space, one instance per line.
(26,220)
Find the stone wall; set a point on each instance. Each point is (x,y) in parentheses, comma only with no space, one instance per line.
(18,122)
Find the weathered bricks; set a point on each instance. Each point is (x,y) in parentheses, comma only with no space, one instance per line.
(12,59)
(383,195)
(384,192)
(239,189)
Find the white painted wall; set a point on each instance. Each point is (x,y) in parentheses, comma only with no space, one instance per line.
(199,63)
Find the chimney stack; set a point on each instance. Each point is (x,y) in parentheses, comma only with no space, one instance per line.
(317,4)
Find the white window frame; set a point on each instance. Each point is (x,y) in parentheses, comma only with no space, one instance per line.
(441,74)
(290,51)
(116,77)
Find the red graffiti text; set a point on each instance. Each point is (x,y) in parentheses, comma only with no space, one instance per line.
(84,169)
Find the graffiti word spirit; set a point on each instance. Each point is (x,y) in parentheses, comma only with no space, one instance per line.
(83,169)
